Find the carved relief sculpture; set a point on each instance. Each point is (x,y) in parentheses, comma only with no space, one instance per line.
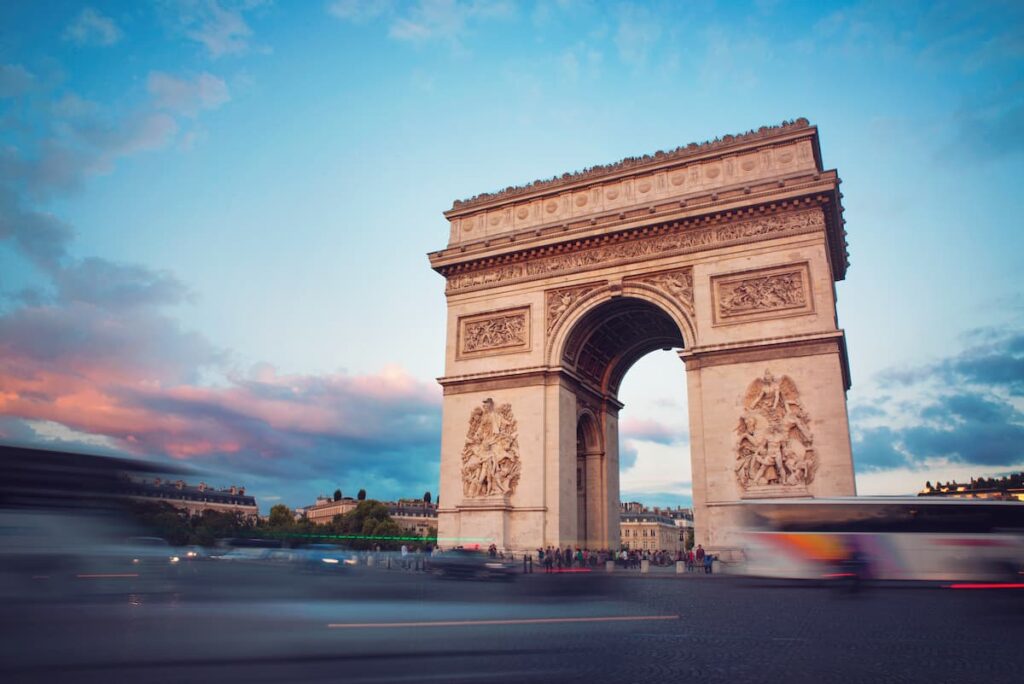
(674,242)
(559,301)
(677,284)
(490,459)
(506,330)
(774,444)
(765,293)
(769,293)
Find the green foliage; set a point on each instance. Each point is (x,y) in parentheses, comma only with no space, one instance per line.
(281,517)
(361,495)
(180,529)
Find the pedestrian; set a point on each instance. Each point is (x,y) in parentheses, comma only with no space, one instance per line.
(708,560)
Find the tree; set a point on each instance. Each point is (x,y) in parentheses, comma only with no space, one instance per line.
(280,517)
(361,495)
(337,495)
(426,497)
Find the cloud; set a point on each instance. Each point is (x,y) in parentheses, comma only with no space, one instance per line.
(15,80)
(359,11)
(218,26)
(111,285)
(100,362)
(40,236)
(651,431)
(425,20)
(92,28)
(998,363)
(186,97)
(637,34)
(962,411)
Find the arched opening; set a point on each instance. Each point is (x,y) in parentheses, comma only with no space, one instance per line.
(614,335)
(603,344)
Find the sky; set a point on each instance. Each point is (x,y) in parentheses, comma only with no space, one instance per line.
(215,214)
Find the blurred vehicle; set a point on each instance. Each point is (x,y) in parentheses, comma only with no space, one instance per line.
(326,557)
(193,553)
(148,551)
(470,564)
(242,549)
(885,538)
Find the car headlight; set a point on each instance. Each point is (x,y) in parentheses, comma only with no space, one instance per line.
(175,559)
(494,566)
(330,560)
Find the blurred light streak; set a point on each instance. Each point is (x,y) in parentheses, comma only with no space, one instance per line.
(986,585)
(511,621)
(108,575)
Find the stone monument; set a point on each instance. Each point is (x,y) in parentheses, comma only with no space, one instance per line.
(726,251)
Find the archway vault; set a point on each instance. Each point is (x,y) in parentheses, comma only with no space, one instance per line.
(611,335)
(727,252)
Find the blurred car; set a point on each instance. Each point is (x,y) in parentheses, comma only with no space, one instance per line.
(470,564)
(326,557)
(193,553)
(148,551)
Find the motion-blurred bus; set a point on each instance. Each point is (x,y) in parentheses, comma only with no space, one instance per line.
(885,538)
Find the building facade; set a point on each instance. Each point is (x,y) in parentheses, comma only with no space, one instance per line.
(412,515)
(194,498)
(324,510)
(648,531)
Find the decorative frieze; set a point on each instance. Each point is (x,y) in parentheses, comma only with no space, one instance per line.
(495,332)
(490,457)
(765,293)
(681,240)
(677,284)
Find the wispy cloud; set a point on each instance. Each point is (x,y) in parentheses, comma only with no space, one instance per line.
(219,26)
(960,412)
(448,21)
(184,96)
(359,11)
(91,27)
(637,34)
(15,80)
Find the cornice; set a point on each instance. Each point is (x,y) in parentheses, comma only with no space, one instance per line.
(650,230)
(723,199)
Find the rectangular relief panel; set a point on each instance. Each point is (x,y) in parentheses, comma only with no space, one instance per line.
(763,293)
(495,332)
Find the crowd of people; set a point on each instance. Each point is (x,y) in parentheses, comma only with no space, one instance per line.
(554,559)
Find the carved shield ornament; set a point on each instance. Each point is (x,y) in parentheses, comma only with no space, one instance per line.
(774,444)
(490,458)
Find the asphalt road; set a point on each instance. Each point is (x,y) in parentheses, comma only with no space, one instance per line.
(223,622)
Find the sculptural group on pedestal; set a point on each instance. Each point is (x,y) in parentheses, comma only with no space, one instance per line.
(774,443)
(490,458)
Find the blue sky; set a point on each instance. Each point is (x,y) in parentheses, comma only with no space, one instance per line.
(214,216)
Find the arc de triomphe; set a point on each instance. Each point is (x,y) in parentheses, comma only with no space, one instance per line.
(727,251)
